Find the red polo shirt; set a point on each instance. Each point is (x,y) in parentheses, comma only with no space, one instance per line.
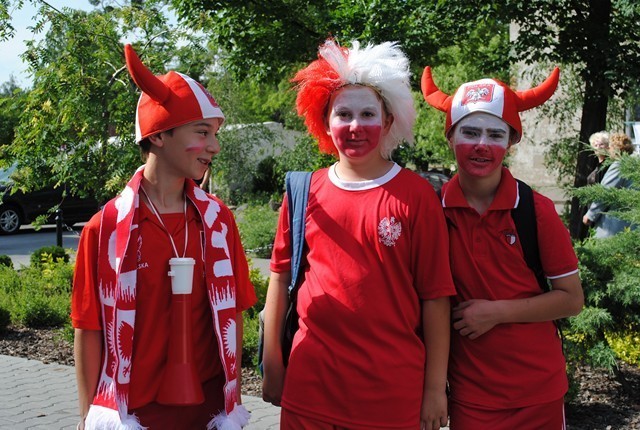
(512,365)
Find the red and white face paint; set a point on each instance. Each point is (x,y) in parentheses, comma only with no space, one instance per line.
(356,121)
(480,142)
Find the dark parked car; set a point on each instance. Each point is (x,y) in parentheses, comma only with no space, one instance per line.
(21,208)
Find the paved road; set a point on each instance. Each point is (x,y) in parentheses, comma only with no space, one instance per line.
(19,246)
(39,396)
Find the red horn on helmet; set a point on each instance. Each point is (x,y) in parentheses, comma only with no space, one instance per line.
(432,93)
(536,96)
(144,79)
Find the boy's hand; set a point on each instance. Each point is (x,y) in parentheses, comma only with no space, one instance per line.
(474,318)
(273,383)
(433,414)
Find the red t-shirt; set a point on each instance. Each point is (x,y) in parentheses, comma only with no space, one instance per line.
(512,365)
(375,250)
(153,297)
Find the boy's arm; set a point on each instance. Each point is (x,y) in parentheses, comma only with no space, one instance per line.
(435,326)
(275,309)
(87,352)
(476,317)
(239,339)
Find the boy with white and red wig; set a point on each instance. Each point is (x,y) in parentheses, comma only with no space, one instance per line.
(374,303)
(133,346)
(506,367)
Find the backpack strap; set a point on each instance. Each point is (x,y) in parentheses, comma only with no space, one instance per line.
(297,185)
(524,217)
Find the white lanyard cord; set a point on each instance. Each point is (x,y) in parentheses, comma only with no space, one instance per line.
(186,224)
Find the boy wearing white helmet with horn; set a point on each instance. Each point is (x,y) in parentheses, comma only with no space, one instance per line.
(148,354)
(506,368)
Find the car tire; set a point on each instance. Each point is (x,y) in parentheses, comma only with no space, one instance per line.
(10,219)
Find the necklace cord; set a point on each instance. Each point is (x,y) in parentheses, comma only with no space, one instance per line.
(186,223)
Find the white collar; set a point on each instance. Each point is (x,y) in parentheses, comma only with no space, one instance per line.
(362,185)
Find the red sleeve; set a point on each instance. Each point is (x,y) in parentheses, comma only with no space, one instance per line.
(245,293)
(85,301)
(281,254)
(430,247)
(556,250)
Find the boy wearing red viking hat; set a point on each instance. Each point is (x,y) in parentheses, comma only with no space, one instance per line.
(134,348)
(506,368)
(374,304)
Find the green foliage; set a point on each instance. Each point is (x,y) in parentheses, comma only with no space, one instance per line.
(5,260)
(250,340)
(251,101)
(37,296)
(257,225)
(626,345)
(251,321)
(266,39)
(48,254)
(260,284)
(12,100)
(234,168)
(82,95)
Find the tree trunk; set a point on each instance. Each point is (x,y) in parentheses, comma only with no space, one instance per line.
(594,108)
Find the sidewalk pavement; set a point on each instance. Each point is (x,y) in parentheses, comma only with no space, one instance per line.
(41,396)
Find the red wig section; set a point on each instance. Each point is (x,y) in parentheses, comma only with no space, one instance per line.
(315,84)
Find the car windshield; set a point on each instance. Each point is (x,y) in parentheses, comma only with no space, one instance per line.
(6,173)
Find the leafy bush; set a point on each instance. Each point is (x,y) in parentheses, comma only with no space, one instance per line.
(41,310)
(48,253)
(260,283)
(626,345)
(5,260)
(257,225)
(250,340)
(250,317)
(39,295)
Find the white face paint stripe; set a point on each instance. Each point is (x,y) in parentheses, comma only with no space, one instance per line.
(481,123)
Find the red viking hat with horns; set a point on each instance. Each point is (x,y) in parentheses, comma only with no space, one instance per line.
(167,101)
(490,96)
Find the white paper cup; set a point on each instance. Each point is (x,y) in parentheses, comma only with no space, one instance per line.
(181,273)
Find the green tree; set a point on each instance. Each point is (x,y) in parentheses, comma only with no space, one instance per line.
(267,41)
(12,99)
(600,39)
(77,123)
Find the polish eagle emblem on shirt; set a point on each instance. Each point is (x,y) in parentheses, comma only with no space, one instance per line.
(389,231)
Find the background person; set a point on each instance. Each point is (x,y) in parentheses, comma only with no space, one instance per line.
(606,225)
(600,144)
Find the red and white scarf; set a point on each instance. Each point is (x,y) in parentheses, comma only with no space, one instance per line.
(117,286)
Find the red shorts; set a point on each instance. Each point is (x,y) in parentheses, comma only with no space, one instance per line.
(155,416)
(292,421)
(547,416)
